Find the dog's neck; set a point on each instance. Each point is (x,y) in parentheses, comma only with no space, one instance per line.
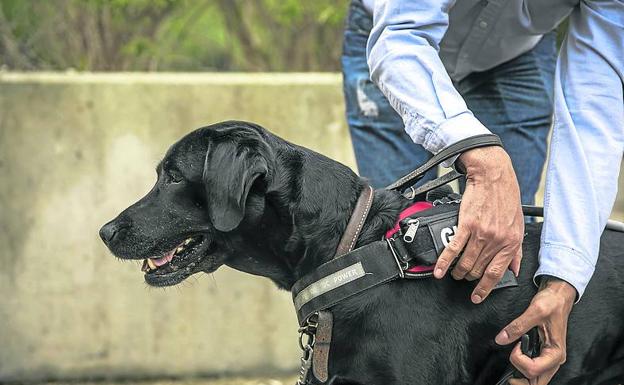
(306,211)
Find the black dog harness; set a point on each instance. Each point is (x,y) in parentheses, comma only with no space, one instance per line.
(408,251)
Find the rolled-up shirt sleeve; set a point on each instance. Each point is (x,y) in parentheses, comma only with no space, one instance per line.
(404,62)
(587,143)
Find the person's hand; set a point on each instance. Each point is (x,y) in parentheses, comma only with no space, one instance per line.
(549,311)
(491,224)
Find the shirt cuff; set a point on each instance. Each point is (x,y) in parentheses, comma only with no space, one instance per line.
(567,264)
(451,131)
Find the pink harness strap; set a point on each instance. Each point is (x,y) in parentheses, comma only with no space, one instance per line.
(411,210)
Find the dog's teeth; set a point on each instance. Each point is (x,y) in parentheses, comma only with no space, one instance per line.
(179,249)
(151,264)
(188,241)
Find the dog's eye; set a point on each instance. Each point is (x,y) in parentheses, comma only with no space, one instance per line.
(175,177)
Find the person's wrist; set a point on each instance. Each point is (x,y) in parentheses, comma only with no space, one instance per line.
(560,289)
(483,161)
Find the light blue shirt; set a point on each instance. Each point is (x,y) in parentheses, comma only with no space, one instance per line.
(417,48)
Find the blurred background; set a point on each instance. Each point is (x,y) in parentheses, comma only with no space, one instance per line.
(172,35)
(92,93)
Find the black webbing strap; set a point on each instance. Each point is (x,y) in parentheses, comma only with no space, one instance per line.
(340,278)
(362,269)
(380,262)
(447,153)
(433,184)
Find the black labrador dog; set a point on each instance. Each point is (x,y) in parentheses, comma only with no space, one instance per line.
(234,194)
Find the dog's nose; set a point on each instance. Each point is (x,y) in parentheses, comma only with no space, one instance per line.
(113,229)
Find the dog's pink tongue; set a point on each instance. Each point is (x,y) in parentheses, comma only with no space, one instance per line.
(162,260)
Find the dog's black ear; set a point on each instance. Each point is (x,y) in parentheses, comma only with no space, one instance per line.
(232,166)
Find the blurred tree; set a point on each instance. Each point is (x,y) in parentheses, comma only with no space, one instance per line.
(171,35)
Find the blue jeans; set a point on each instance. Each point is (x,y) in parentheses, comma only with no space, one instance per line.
(514,100)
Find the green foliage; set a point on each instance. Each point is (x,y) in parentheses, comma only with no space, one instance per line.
(172,35)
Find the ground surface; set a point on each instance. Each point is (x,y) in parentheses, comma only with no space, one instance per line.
(228,381)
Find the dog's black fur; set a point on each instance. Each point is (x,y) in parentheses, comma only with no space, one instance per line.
(267,207)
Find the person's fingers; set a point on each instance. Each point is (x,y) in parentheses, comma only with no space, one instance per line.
(542,367)
(488,252)
(515,263)
(527,320)
(478,269)
(451,251)
(492,275)
(472,254)
(516,359)
(545,378)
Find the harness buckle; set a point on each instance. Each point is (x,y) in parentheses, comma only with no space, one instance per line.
(402,266)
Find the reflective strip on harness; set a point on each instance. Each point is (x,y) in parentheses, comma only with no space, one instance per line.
(331,282)
(378,265)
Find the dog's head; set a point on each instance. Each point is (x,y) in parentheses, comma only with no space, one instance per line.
(235,194)
(208,183)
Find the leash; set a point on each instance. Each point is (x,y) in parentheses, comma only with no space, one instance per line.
(453,150)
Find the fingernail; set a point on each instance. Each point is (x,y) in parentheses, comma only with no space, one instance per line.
(502,337)
(438,273)
(476,299)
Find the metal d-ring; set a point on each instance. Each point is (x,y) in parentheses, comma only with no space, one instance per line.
(410,195)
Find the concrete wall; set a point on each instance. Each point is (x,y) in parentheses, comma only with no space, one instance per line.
(74,150)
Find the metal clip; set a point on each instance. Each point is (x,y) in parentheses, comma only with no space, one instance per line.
(311,339)
(410,233)
(306,365)
(307,346)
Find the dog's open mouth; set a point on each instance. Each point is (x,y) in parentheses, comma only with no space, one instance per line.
(175,265)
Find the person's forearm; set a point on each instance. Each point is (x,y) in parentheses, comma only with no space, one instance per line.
(587,144)
(404,63)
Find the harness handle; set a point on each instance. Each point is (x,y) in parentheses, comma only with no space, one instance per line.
(538,211)
(454,149)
